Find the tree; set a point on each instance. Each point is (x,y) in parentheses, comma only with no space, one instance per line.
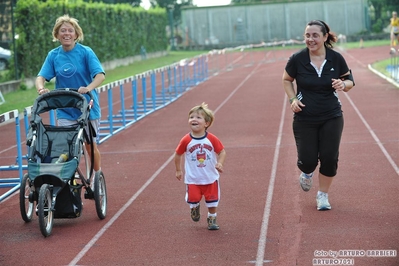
(131,2)
(257,1)
(174,6)
(382,12)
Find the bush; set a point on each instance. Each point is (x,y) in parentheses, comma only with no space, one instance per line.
(113,31)
(23,87)
(378,26)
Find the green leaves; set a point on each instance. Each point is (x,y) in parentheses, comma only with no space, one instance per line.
(113,31)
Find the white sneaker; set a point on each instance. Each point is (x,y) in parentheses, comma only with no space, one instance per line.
(306,181)
(322,202)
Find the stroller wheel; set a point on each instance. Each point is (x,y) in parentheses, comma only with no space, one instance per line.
(26,202)
(45,213)
(100,195)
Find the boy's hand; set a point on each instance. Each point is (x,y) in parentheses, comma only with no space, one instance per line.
(179,175)
(219,167)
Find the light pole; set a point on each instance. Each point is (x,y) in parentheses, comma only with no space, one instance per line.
(13,3)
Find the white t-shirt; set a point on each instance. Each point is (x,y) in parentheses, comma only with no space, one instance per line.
(200,158)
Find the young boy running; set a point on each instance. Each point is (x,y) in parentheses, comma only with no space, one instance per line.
(204,158)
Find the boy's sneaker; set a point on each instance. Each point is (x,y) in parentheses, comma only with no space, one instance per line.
(322,202)
(195,213)
(212,225)
(306,181)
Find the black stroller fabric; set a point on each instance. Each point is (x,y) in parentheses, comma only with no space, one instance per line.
(63,207)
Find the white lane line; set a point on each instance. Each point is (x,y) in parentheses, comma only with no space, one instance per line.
(266,212)
(377,140)
(91,243)
(384,151)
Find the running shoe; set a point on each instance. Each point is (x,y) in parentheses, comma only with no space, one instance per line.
(195,213)
(322,202)
(212,225)
(306,181)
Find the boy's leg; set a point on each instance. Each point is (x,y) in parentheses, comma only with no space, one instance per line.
(212,197)
(212,210)
(193,197)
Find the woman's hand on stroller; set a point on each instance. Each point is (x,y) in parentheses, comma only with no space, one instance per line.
(84,90)
(43,91)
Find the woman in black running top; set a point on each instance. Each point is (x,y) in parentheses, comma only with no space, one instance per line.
(321,74)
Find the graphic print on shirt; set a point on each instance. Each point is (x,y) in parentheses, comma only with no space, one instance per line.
(67,70)
(299,96)
(199,154)
(336,95)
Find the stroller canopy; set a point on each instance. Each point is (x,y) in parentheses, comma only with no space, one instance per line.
(57,99)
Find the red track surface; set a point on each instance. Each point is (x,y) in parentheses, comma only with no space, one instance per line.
(264,215)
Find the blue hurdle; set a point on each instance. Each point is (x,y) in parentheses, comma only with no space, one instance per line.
(139,96)
(13,183)
(145,93)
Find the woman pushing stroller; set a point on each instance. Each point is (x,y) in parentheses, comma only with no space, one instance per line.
(76,66)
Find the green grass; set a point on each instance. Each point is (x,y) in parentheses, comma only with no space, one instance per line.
(351,45)
(381,66)
(21,99)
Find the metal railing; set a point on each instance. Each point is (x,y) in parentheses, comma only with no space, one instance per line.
(127,101)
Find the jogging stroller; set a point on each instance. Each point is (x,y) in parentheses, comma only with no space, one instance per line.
(58,164)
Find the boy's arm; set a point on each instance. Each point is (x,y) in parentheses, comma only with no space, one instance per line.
(179,172)
(221,158)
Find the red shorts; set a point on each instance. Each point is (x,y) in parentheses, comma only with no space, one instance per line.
(211,193)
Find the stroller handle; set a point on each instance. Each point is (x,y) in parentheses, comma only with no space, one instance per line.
(61,98)
(58,99)
(76,90)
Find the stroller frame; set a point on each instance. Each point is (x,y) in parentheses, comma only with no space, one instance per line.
(53,185)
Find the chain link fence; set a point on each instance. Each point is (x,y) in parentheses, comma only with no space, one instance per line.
(229,26)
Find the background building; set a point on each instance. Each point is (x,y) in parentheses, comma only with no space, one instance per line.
(254,23)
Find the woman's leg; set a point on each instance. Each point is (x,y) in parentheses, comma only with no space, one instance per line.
(97,156)
(306,139)
(95,125)
(330,138)
(324,182)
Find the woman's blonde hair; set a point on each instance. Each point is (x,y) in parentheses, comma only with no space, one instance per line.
(67,19)
(205,111)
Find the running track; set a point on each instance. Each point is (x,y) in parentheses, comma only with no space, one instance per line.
(265,218)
